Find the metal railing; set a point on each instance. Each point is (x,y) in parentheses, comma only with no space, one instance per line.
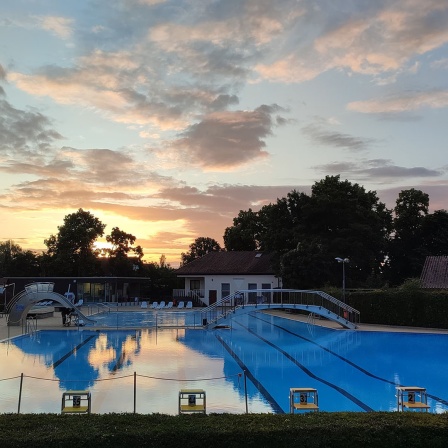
(278,298)
(30,288)
(311,319)
(31,325)
(100,308)
(14,300)
(39,287)
(192,294)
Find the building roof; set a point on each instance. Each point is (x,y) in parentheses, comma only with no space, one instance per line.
(435,272)
(230,263)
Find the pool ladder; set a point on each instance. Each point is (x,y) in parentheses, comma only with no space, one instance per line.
(31,325)
(311,319)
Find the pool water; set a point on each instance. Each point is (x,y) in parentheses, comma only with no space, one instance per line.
(147,319)
(352,370)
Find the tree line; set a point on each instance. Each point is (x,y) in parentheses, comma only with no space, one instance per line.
(339,219)
(306,232)
(72,252)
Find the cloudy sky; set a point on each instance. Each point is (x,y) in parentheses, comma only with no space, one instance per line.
(167,117)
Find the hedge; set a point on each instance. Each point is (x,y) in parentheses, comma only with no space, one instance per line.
(347,430)
(414,308)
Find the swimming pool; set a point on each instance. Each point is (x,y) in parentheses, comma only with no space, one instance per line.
(352,370)
(146,319)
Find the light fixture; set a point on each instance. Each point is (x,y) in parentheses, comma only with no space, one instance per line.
(343,261)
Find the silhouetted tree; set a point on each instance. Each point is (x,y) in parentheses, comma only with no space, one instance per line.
(342,219)
(200,247)
(435,233)
(244,234)
(163,279)
(124,260)
(71,251)
(16,262)
(307,233)
(406,254)
(417,234)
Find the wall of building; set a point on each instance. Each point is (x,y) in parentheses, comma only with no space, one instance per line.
(89,289)
(237,282)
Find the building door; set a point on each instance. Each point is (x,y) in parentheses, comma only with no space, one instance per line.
(212,296)
(252,296)
(266,295)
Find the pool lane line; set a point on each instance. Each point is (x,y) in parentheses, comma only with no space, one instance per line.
(343,392)
(268,397)
(351,363)
(70,353)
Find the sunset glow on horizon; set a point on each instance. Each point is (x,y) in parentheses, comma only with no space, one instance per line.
(165,118)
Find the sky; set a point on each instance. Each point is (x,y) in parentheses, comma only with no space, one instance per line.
(165,118)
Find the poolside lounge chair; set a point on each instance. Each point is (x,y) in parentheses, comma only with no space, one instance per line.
(162,305)
(170,305)
(154,305)
(144,304)
(181,305)
(189,305)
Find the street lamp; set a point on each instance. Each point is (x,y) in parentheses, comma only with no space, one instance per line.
(343,261)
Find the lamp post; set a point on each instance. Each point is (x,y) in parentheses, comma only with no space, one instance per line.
(343,261)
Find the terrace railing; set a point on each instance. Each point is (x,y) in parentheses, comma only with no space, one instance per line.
(192,294)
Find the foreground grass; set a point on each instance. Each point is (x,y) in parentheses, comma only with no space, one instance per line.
(376,429)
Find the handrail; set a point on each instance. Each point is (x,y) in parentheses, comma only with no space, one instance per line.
(98,305)
(14,300)
(31,325)
(311,319)
(278,297)
(31,288)
(336,301)
(83,316)
(39,287)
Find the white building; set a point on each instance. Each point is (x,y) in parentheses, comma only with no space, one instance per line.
(218,274)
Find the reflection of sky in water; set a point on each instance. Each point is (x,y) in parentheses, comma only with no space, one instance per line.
(352,371)
(104,362)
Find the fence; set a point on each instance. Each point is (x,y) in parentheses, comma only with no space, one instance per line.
(134,377)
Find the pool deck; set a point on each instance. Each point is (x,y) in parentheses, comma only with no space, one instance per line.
(55,323)
(363,327)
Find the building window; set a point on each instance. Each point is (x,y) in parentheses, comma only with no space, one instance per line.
(225,290)
(195,285)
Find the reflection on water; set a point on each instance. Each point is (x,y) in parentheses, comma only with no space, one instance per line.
(352,370)
(104,362)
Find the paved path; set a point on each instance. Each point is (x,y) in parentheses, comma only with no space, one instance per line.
(363,327)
